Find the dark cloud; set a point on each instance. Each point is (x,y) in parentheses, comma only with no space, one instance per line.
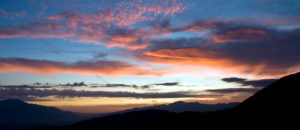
(256,85)
(177,43)
(168,84)
(233,79)
(253,83)
(32,92)
(117,85)
(79,84)
(23,86)
(108,85)
(123,85)
(99,56)
(37,83)
(145,86)
(234,90)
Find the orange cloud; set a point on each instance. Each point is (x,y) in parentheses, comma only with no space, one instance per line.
(214,59)
(191,56)
(110,68)
(121,41)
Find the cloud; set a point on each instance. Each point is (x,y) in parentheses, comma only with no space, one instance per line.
(111,26)
(122,13)
(35,30)
(245,49)
(99,56)
(22,93)
(37,85)
(238,46)
(240,35)
(253,83)
(108,85)
(147,86)
(124,85)
(24,86)
(201,25)
(75,84)
(168,84)
(110,68)
(234,90)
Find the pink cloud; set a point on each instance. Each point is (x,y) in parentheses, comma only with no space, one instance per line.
(109,68)
(111,27)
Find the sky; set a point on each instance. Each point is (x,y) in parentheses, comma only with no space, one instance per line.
(97,56)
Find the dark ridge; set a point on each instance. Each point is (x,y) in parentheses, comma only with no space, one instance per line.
(17,114)
(277,100)
(181,106)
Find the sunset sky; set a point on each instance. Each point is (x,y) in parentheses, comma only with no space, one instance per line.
(97,56)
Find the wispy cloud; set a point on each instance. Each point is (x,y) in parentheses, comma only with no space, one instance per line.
(112,68)
(234,90)
(253,83)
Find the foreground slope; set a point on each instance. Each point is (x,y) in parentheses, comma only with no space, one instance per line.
(189,107)
(277,103)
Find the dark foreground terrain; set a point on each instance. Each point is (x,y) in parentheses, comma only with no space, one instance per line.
(16,114)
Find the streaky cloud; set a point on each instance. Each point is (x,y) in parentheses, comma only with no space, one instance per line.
(100,67)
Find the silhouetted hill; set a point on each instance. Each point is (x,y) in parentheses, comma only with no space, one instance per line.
(274,106)
(16,114)
(126,120)
(189,107)
(276,103)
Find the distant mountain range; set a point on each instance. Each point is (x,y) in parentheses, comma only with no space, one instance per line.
(276,106)
(16,114)
(181,106)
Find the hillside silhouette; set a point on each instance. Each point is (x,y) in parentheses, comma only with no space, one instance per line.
(274,106)
(181,106)
(277,104)
(17,114)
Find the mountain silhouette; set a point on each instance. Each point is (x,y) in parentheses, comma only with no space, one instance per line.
(17,114)
(181,106)
(277,103)
(274,106)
